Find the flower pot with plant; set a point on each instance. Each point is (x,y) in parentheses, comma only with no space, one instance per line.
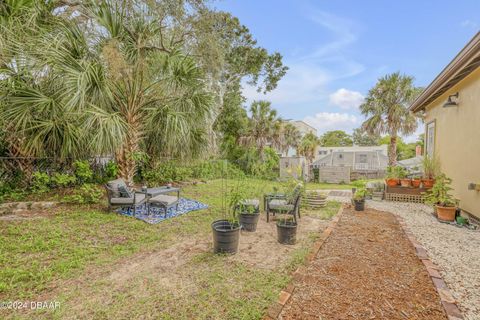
(416,181)
(431,167)
(394,174)
(226,231)
(287,230)
(439,197)
(248,214)
(359,199)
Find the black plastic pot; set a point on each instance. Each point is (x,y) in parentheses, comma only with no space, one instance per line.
(249,221)
(286,232)
(359,205)
(225,236)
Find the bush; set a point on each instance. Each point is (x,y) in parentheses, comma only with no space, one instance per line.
(62,180)
(40,182)
(83,171)
(111,170)
(87,194)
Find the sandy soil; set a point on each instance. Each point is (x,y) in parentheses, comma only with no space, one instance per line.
(367,269)
(170,268)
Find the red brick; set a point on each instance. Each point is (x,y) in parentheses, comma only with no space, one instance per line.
(422,253)
(290,288)
(429,264)
(274,310)
(434,273)
(452,310)
(283,297)
(446,296)
(439,283)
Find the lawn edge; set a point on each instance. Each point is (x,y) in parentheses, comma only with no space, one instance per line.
(274,311)
(446,298)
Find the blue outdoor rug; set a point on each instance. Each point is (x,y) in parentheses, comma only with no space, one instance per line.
(158,214)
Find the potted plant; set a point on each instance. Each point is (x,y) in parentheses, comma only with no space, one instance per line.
(226,231)
(286,230)
(248,217)
(439,197)
(431,168)
(359,198)
(416,181)
(393,175)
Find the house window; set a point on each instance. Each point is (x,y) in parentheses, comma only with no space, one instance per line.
(340,156)
(430,139)
(362,158)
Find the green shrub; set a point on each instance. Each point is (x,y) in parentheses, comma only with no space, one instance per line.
(83,171)
(62,180)
(87,194)
(40,182)
(111,170)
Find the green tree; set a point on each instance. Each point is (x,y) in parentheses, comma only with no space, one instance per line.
(291,138)
(111,85)
(308,145)
(262,125)
(336,138)
(361,137)
(386,109)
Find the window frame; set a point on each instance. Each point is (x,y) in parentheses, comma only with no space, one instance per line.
(430,147)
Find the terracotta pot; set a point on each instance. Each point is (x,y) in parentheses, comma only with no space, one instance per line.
(428,183)
(392,182)
(405,182)
(446,213)
(416,183)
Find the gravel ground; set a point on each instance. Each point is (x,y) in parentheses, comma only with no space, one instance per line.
(455,250)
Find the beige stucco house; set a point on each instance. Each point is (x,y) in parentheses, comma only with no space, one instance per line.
(450,106)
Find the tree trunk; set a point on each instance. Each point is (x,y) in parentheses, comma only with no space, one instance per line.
(392,151)
(127,164)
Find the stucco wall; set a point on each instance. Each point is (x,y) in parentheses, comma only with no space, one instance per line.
(457,139)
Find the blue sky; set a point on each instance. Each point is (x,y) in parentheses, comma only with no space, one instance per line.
(336,50)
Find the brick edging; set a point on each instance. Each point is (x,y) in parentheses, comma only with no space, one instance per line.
(276,308)
(448,302)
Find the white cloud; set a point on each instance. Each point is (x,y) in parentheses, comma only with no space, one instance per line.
(302,83)
(326,121)
(346,99)
(341,29)
(469,24)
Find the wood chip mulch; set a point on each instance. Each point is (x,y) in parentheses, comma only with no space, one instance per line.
(367,269)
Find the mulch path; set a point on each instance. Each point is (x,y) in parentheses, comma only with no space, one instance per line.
(367,269)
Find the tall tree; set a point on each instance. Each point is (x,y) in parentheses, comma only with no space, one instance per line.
(386,109)
(308,145)
(262,125)
(291,137)
(361,137)
(120,84)
(336,138)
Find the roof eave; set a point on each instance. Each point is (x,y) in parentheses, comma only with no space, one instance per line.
(462,65)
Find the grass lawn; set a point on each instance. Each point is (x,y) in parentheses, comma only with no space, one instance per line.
(103,265)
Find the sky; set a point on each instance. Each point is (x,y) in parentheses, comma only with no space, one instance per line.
(337,50)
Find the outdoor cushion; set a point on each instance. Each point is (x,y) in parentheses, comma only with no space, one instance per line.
(139,197)
(124,192)
(163,199)
(277,202)
(114,185)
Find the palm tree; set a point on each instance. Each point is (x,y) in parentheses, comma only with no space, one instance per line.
(291,137)
(307,146)
(263,125)
(113,88)
(386,108)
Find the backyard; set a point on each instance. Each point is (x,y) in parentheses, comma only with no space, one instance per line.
(99,264)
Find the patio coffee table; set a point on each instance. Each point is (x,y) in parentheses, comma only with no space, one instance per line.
(157,197)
